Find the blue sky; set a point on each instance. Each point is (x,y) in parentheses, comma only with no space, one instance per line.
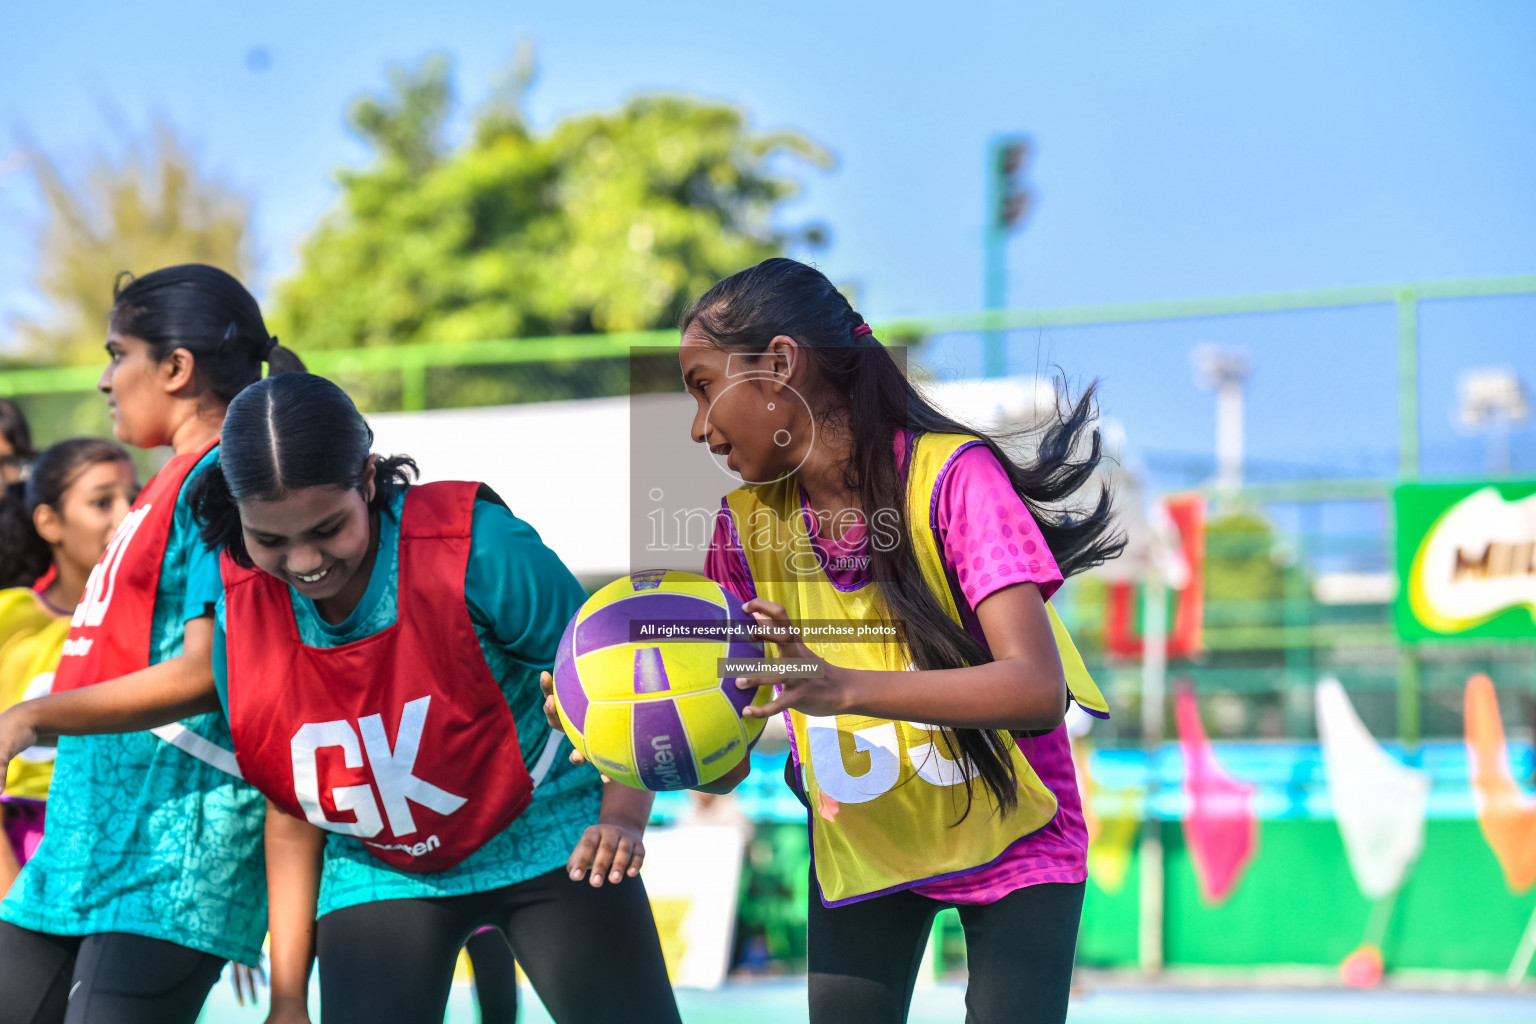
(1182,150)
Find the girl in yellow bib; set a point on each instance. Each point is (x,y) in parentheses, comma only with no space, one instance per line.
(61,518)
(929,747)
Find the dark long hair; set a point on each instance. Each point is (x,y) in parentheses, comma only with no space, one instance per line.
(14,430)
(873,398)
(207,312)
(17,436)
(24,556)
(281,435)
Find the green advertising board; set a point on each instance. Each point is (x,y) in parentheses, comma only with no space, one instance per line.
(1466,560)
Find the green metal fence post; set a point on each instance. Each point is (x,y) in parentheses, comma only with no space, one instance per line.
(1408,469)
(1408,694)
(413,385)
(1408,384)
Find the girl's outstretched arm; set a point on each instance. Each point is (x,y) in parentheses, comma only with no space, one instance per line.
(1022,689)
(294,852)
(163,693)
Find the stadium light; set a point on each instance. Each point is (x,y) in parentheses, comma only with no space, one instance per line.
(1492,399)
(1007,204)
(1225,372)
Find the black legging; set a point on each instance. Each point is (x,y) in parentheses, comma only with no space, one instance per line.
(495,976)
(110,978)
(593,955)
(864,957)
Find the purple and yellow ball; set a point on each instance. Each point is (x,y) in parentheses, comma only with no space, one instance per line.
(654,713)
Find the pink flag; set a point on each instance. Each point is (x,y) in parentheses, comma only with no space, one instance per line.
(1220,827)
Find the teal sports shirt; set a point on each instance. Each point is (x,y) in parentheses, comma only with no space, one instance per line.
(520,597)
(141,836)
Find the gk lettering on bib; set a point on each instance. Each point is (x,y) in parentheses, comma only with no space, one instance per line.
(403,739)
(109,635)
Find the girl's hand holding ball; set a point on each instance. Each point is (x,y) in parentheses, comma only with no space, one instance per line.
(828,692)
(547,684)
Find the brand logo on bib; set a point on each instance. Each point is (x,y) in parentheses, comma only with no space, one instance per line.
(78,647)
(420,849)
(393,773)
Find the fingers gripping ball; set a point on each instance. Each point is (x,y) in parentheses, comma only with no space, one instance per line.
(647,708)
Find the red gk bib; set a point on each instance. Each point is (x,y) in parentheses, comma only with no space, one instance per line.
(109,635)
(402,739)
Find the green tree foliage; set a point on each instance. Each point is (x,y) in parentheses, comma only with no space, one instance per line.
(147,205)
(609,221)
(1240,563)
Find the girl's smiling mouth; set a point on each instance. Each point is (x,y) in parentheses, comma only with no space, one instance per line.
(310,579)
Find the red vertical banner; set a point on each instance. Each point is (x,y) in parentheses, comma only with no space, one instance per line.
(1122,635)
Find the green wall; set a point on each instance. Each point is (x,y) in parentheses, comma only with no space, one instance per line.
(1298,904)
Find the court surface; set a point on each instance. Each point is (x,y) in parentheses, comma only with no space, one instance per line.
(779,1002)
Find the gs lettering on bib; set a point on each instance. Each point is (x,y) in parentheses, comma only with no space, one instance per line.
(402,739)
(109,635)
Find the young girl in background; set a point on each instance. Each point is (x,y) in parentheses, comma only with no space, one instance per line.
(15,446)
(61,518)
(361,615)
(865,503)
(149,876)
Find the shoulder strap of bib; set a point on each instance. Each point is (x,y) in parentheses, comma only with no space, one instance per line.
(930,459)
(442,509)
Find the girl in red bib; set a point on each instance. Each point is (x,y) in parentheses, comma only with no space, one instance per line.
(148,878)
(377,652)
(863,503)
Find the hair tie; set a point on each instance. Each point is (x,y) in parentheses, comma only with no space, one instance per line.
(863,329)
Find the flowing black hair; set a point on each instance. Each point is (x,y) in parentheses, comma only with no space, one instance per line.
(284,434)
(207,312)
(25,556)
(872,398)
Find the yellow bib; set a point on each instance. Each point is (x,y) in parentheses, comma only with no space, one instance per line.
(31,640)
(885,796)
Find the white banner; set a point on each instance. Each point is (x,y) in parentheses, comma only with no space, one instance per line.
(692,874)
(1379,802)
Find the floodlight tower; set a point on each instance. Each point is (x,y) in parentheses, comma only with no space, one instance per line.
(1007,202)
(1226,372)
(1493,399)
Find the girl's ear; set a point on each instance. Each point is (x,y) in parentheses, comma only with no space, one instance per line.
(780,359)
(176,370)
(369,485)
(49,525)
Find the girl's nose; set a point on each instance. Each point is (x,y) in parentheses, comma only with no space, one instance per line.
(303,561)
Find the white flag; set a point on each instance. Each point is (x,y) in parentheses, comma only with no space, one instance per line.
(1379,801)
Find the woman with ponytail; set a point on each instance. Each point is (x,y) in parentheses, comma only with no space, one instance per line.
(149,877)
(862,502)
